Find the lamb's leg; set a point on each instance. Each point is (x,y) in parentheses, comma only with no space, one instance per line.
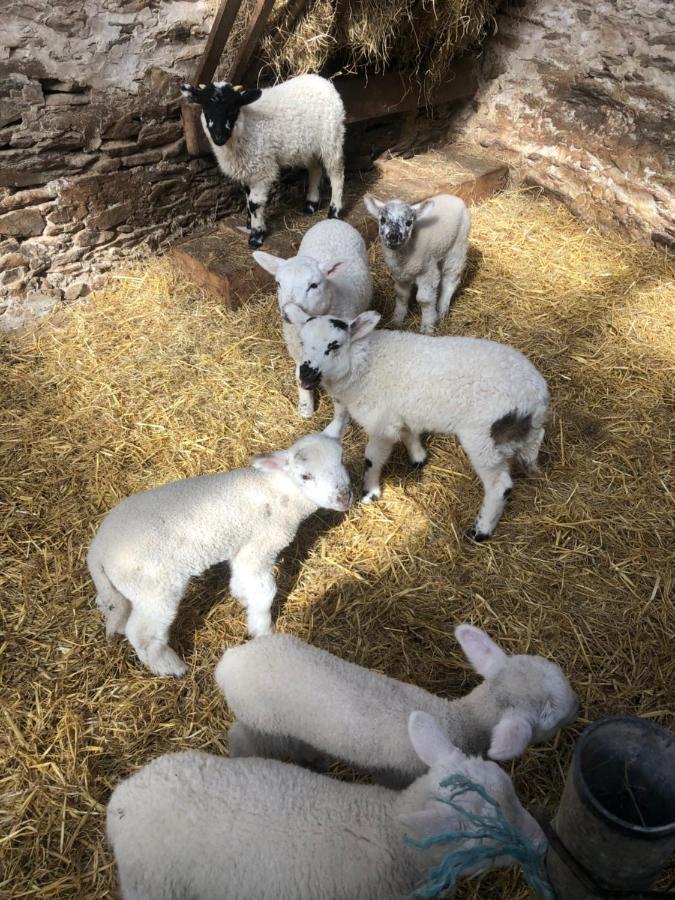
(427,297)
(253,584)
(114,605)
(305,398)
(452,275)
(413,444)
(378,451)
(338,426)
(528,453)
(313,196)
(402,289)
(336,174)
(493,471)
(148,632)
(257,201)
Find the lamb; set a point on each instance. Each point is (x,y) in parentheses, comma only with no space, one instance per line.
(255,133)
(291,698)
(150,545)
(423,244)
(329,276)
(195,826)
(397,385)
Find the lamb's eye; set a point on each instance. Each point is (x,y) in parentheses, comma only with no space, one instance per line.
(306,477)
(313,287)
(382,220)
(408,222)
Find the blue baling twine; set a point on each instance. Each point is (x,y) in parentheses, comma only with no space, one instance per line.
(504,840)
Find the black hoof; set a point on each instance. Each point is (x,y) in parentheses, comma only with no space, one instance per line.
(370,497)
(310,207)
(256,238)
(477,536)
(334,213)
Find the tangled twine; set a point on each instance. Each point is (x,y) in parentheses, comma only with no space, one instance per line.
(501,837)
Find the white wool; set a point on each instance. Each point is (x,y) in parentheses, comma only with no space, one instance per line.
(431,255)
(329,276)
(293,698)
(190,825)
(150,545)
(398,385)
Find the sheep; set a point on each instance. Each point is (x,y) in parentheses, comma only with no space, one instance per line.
(291,698)
(424,244)
(397,385)
(149,546)
(193,826)
(255,133)
(329,276)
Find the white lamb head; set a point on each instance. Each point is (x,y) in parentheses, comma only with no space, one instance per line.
(396,219)
(430,816)
(314,464)
(327,343)
(535,696)
(301,280)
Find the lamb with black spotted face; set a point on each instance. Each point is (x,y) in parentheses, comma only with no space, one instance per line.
(423,244)
(398,385)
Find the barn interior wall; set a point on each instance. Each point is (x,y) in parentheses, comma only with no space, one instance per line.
(579,97)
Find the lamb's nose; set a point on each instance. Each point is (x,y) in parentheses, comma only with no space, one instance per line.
(344,498)
(309,376)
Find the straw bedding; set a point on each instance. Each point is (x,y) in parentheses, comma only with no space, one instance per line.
(152,381)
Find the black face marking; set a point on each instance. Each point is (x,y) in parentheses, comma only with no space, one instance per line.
(331,348)
(338,323)
(311,319)
(511,428)
(369,463)
(310,376)
(256,237)
(507,492)
(253,206)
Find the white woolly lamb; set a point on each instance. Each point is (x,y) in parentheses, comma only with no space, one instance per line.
(256,133)
(150,545)
(291,698)
(397,385)
(329,276)
(190,826)
(423,244)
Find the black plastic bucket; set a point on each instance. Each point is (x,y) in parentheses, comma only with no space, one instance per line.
(616,819)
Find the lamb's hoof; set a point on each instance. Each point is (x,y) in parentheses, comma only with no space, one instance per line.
(256,238)
(478,536)
(310,207)
(418,466)
(335,213)
(371,496)
(167,662)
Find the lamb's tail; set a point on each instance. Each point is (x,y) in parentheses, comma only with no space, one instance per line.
(115,607)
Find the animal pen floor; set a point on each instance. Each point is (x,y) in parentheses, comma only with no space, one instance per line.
(152,380)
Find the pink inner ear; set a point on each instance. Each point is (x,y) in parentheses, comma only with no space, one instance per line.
(267,462)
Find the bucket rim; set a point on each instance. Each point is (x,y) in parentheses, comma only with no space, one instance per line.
(628,828)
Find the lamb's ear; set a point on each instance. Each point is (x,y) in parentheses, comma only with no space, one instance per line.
(373,206)
(435,818)
(329,269)
(422,208)
(487,658)
(429,741)
(246,97)
(295,315)
(511,737)
(268,262)
(190,92)
(363,324)
(270,462)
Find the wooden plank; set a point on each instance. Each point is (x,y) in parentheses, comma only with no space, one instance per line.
(383,95)
(215,44)
(195,140)
(254,30)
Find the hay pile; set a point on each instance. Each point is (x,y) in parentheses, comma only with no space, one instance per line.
(152,381)
(421,37)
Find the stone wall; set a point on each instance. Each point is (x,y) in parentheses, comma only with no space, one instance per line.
(579,96)
(92,156)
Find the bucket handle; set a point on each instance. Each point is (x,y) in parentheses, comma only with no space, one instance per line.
(588,879)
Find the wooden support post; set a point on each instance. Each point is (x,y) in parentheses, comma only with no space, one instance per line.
(254,30)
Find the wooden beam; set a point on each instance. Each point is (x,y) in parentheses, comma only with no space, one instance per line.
(393,92)
(220,32)
(254,30)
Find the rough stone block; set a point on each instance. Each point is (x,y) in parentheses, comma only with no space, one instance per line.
(22,222)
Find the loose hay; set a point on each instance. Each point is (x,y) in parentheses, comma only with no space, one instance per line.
(151,381)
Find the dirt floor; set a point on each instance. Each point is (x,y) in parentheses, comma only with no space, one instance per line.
(151,380)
